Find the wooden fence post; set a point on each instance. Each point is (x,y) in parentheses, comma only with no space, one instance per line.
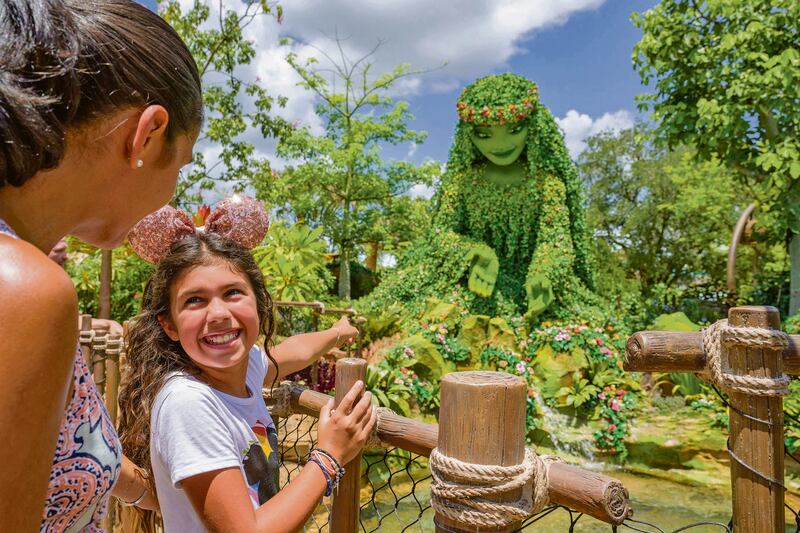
(86,334)
(346,500)
(757,503)
(482,421)
(113,348)
(99,360)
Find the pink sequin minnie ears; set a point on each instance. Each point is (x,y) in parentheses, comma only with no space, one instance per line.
(239,218)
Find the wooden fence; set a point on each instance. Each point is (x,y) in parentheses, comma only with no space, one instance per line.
(482,420)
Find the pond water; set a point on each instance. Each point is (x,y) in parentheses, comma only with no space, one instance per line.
(666,504)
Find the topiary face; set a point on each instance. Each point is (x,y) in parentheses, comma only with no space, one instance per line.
(500,144)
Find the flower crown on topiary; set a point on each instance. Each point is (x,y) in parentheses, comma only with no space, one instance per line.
(498,99)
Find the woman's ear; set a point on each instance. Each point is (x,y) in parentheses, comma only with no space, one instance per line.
(147,142)
(168,327)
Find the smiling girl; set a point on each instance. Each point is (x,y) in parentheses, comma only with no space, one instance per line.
(192,410)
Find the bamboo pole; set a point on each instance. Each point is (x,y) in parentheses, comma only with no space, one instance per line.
(757,502)
(681,351)
(482,421)
(596,495)
(346,501)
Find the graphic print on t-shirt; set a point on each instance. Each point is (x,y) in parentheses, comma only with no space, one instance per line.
(261,462)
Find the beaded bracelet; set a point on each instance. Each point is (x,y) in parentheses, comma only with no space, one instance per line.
(339,469)
(328,481)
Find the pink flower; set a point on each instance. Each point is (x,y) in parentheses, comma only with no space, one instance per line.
(502,364)
(615,406)
(612,427)
(602,396)
(599,341)
(531,393)
(521,367)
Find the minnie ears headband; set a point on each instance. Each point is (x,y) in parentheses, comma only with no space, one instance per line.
(239,218)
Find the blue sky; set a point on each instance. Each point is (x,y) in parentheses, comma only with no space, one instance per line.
(577,51)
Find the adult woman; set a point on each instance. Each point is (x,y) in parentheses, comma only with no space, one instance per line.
(100,104)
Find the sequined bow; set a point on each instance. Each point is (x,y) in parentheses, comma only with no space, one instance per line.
(239,218)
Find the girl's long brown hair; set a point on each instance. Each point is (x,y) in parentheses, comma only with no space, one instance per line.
(152,356)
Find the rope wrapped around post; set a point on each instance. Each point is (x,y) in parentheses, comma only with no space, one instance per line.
(460,490)
(719,336)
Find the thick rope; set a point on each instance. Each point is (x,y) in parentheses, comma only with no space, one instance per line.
(459,490)
(374,441)
(282,396)
(718,337)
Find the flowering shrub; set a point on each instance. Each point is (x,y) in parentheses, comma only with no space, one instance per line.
(425,393)
(600,388)
(615,404)
(440,335)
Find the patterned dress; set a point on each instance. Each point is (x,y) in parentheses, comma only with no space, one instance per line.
(88,456)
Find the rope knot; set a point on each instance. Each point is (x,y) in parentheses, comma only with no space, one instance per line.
(460,490)
(282,396)
(720,336)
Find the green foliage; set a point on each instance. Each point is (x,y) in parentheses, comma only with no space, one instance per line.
(579,393)
(791,407)
(129,273)
(219,49)
(662,223)
(388,388)
(727,81)
(687,384)
(342,183)
(293,262)
(674,322)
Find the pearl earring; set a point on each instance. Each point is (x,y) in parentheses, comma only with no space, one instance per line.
(139,163)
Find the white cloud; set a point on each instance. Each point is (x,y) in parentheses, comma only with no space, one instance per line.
(412,150)
(456,41)
(580,126)
(421,191)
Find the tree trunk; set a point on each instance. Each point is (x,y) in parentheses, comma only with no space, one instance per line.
(344,255)
(794,277)
(372,258)
(344,274)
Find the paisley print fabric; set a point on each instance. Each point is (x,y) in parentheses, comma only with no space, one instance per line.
(88,457)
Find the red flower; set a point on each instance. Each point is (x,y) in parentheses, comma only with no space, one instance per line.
(599,341)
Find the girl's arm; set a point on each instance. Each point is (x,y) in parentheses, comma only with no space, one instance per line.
(131,486)
(220,497)
(299,351)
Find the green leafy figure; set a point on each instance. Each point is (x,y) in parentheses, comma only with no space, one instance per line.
(508,218)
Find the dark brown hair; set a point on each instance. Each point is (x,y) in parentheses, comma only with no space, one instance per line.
(152,356)
(66,63)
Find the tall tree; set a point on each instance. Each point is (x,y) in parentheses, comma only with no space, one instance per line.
(221,50)
(342,181)
(727,81)
(661,220)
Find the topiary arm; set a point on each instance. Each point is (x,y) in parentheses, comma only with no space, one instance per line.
(455,251)
(552,269)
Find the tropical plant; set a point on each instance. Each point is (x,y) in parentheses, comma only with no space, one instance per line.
(293,262)
(580,392)
(388,388)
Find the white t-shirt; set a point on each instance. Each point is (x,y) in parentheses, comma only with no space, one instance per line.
(196,428)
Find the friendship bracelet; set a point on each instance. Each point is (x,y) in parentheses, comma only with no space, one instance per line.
(339,469)
(135,502)
(324,473)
